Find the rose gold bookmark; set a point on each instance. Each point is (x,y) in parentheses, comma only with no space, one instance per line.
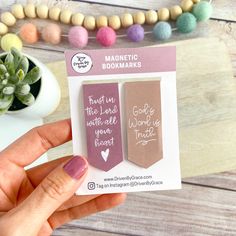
(143,119)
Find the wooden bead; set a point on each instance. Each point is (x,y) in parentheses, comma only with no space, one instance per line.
(42,11)
(18,11)
(65,16)
(77,19)
(126,20)
(30,10)
(3,29)
(90,22)
(151,17)
(102,21)
(175,12)
(163,14)
(186,5)
(54,13)
(196,1)
(8,19)
(114,22)
(139,18)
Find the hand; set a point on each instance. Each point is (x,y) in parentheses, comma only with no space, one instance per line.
(37,201)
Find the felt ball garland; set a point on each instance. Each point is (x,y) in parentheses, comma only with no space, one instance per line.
(186,15)
(78,36)
(29,33)
(186,23)
(135,33)
(106,36)
(162,31)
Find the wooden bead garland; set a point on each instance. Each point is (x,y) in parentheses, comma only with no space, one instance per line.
(65,16)
(163,14)
(30,10)
(126,20)
(54,13)
(77,19)
(42,11)
(106,36)
(114,22)
(186,5)
(8,19)
(18,11)
(3,28)
(175,12)
(151,17)
(90,22)
(101,21)
(139,18)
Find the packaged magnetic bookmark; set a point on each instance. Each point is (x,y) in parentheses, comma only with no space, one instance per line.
(124,118)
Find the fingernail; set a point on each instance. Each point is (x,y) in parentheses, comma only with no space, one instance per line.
(76,167)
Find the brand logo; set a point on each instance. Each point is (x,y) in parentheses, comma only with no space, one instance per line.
(81,63)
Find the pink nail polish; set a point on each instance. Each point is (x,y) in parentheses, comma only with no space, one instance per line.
(76,167)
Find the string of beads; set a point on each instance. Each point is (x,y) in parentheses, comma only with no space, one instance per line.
(186,15)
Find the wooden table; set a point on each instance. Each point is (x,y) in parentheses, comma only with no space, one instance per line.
(207,204)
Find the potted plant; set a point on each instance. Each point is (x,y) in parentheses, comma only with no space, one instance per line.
(25,84)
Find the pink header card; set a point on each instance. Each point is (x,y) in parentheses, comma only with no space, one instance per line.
(121,61)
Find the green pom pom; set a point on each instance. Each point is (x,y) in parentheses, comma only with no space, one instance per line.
(162,30)
(202,11)
(186,23)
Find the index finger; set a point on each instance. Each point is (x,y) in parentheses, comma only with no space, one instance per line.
(39,140)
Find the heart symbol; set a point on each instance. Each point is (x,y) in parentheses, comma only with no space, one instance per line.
(105,154)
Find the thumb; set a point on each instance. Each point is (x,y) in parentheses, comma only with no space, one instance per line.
(52,192)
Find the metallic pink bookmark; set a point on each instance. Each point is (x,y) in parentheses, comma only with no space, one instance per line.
(102,123)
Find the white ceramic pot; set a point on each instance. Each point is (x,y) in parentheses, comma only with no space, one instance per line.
(48,98)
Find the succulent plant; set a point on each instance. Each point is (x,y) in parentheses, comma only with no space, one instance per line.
(16,80)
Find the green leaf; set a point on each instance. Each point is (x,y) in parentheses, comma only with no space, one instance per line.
(3,111)
(9,63)
(26,99)
(20,75)
(33,76)
(8,90)
(1,61)
(4,82)
(14,79)
(23,65)
(6,101)
(3,69)
(22,89)
(17,56)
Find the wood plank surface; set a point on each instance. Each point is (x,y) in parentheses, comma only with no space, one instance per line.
(75,230)
(206,205)
(225,180)
(195,210)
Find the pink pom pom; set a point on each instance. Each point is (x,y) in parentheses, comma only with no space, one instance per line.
(106,36)
(78,37)
(51,33)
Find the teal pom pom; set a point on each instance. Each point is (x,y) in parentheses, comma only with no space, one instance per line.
(186,23)
(202,11)
(162,30)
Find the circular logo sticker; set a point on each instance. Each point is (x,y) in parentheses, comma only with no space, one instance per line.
(81,63)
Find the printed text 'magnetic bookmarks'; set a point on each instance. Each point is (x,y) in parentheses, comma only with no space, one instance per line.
(102,122)
(143,119)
